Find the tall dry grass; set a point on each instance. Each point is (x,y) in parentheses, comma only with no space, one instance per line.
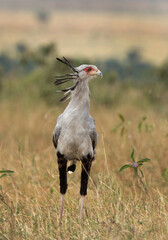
(116,206)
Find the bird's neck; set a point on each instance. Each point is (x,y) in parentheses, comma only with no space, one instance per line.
(80,96)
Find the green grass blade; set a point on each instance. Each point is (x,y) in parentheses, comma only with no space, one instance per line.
(121,117)
(144,160)
(125,166)
(132,155)
(3,175)
(6,171)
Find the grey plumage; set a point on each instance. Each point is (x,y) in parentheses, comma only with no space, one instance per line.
(92,132)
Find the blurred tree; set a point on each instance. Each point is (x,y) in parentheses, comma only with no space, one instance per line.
(137,69)
(43,17)
(163,72)
(1,73)
(21,47)
(7,64)
(134,56)
(47,49)
(31,59)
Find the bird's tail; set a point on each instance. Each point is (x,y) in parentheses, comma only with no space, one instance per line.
(72,167)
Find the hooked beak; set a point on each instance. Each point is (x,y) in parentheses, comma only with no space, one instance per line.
(99,73)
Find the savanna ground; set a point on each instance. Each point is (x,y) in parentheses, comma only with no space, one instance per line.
(117,205)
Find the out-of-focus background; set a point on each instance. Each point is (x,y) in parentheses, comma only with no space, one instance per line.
(128,41)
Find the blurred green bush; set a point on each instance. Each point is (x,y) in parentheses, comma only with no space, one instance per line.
(30,74)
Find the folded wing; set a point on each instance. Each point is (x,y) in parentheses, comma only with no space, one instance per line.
(57,131)
(92,132)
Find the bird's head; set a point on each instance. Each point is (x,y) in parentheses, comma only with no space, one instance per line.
(88,72)
(83,73)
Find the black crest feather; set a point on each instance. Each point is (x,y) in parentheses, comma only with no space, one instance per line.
(66,78)
(66,62)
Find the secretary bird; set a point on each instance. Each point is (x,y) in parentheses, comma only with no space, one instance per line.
(75,136)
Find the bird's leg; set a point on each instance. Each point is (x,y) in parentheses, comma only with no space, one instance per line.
(86,166)
(62,166)
(61,208)
(81,208)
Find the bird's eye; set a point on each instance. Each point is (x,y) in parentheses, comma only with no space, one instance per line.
(88,69)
